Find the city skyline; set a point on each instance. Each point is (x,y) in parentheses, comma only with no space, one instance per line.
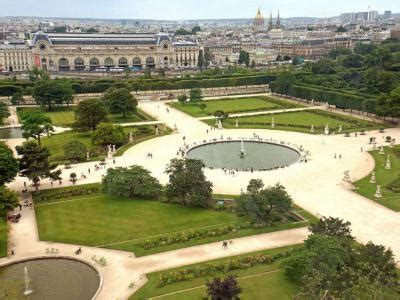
(174,10)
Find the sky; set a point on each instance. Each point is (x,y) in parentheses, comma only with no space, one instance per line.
(187,9)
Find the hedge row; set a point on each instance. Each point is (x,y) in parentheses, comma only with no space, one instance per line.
(63,193)
(210,269)
(343,100)
(188,236)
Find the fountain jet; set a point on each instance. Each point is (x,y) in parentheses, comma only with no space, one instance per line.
(28,289)
(242,152)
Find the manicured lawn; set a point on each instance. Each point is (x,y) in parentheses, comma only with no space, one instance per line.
(126,224)
(64,116)
(258,282)
(384,177)
(301,122)
(235,105)
(55,143)
(3,238)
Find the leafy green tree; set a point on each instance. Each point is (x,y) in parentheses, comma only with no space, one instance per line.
(364,49)
(131,182)
(196,29)
(352,61)
(120,101)
(182,31)
(34,163)
(35,125)
(52,92)
(380,58)
(282,83)
(263,206)
(323,66)
(182,99)
(223,289)
(37,74)
(8,164)
(341,28)
(75,151)
(89,113)
(8,200)
(244,58)
(332,227)
(389,104)
(161,73)
(195,95)
(108,133)
(17,98)
(4,113)
(187,183)
(207,57)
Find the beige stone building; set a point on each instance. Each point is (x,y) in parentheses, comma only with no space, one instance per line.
(15,57)
(90,52)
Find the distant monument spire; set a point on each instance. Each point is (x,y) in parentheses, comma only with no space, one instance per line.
(278,22)
(270,24)
(258,21)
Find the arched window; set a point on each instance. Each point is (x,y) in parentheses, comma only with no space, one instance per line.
(94,63)
(123,62)
(137,63)
(44,60)
(165,61)
(63,64)
(150,63)
(108,62)
(79,64)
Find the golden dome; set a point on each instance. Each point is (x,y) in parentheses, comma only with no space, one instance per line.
(259,15)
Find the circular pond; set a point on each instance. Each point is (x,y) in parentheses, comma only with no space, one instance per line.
(257,155)
(49,279)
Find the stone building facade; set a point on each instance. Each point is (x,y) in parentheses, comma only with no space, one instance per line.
(15,57)
(90,52)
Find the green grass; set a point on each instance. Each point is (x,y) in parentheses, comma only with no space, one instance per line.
(301,122)
(55,143)
(3,238)
(64,116)
(125,224)
(235,105)
(264,282)
(384,177)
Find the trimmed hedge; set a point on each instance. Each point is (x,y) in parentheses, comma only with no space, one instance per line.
(210,269)
(62,193)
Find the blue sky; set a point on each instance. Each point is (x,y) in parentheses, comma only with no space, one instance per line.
(186,9)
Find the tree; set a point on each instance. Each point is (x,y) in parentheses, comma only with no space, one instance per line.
(37,74)
(323,66)
(52,92)
(336,52)
(89,113)
(4,113)
(244,58)
(75,151)
(161,73)
(17,98)
(226,289)
(73,178)
(182,31)
(200,60)
(196,29)
(108,133)
(263,206)
(364,49)
(35,125)
(34,163)
(282,83)
(341,28)
(352,61)
(8,200)
(187,183)
(8,164)
(389,104)
(9,90)
(182,99)
(332,227)
(195,95)
(207,57)
(119,101)
(131,182)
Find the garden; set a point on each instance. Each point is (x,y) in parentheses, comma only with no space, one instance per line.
(301,122)
(65,116)
(388,179)
(259,275)
(233,105)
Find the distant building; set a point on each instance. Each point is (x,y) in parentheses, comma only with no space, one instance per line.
(395,32)
(347,18)
(15,56)
(259,23)
(88,52)
(387,14)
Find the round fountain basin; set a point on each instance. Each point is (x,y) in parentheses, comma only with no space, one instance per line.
(258,155)
(50,278)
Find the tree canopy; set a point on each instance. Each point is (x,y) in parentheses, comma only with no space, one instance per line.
(35,125)
(8,164)
(75,151)
(108,133)
(120,101)
(187,183)
(223,289)
(8,200)
(89,113)
(52,92)
(131,182)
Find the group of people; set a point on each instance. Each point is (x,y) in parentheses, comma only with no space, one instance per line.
(149,155)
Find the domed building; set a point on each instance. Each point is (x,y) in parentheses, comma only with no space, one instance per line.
(258,23)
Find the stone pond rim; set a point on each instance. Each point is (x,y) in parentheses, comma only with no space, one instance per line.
(259,154)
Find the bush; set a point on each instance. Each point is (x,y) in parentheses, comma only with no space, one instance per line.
(62,193)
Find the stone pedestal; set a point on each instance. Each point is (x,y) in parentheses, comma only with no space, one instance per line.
(388,165)
(378,193)
(373,178)
(381,151)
